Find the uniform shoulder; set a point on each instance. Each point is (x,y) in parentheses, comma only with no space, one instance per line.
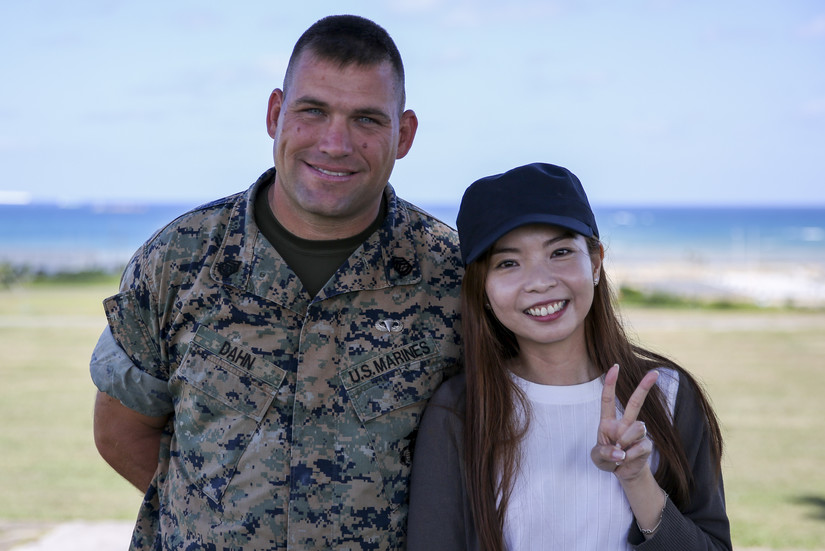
(199,218)
(187,240)
(423,219)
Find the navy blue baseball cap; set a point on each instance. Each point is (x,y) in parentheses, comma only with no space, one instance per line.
(534,193)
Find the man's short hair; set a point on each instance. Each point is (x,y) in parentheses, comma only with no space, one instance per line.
(348,40)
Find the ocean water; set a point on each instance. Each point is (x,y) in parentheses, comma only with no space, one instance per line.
(753,236)
(50,237)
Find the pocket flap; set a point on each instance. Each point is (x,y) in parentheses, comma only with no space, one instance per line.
(394,379)
(232,374)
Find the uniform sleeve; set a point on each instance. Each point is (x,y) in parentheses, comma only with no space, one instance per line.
(439,516)
(114,373)
(703,525)
(127,362)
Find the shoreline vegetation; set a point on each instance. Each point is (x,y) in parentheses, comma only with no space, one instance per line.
(678,285)
(761,363)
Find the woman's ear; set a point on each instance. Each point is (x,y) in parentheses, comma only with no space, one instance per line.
(597,265)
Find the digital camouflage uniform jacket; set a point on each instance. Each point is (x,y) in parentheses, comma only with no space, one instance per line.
(293,418)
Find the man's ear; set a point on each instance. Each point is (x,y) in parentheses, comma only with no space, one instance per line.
(406,132)
(273,111)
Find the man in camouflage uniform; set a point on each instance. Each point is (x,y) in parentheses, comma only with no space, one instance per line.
(267,397)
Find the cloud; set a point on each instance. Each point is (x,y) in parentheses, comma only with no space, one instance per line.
(814,107)
(273,65)
(649,128)
(815,28)
(201,20)
(9,144)
(14,197)
(414,6)
(476,13)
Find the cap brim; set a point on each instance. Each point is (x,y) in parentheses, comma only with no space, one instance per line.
(488,240)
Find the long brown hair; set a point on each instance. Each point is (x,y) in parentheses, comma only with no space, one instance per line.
(492,431)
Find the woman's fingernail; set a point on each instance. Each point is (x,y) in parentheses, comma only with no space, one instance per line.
(618,454)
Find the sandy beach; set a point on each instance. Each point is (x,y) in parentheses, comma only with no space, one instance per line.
(790,284)
(70,536)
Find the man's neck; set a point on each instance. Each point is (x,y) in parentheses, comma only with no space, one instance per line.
(317,227)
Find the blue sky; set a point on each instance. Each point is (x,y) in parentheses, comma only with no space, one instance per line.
(649,102)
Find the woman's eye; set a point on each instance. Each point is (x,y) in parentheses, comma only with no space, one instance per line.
(506,264)
(561,252)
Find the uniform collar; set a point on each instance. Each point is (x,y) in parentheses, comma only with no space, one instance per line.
(247,261)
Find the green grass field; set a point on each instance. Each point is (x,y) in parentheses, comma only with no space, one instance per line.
(764,372)
(49,463)
(763,369)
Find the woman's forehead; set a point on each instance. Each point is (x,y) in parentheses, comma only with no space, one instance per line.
(538,232)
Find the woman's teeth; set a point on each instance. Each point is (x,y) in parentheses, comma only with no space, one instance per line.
(546,310)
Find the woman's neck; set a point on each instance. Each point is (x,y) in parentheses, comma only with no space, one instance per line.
(553,366)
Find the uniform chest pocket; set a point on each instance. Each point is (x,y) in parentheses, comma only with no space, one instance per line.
(389,394)
(393,380)
(222,392)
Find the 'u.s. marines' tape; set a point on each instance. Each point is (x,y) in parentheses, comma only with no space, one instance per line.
(388,361)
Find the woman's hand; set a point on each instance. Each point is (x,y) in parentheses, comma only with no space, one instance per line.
(622,446)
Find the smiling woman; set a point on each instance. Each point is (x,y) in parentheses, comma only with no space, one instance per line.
(543,442)
(540,282)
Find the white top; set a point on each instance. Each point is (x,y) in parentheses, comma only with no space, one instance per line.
(560,499)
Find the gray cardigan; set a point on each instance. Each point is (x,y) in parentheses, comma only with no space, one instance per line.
(440,517)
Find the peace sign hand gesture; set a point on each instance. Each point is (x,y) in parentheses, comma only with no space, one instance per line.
(622,446)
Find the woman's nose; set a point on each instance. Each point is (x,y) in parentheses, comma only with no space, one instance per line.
(539,278)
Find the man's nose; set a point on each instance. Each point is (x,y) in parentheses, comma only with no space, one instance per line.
(336,140)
